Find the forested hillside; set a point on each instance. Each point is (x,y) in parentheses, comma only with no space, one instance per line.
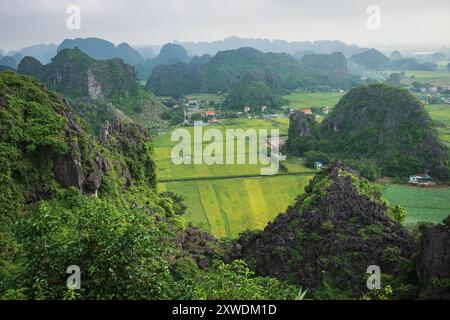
(68,198)
(380,128)
(223,71)
(99,90)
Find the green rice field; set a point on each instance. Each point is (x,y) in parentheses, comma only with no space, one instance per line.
(299,100)
(421,204)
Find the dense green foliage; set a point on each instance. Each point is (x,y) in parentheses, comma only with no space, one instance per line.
(255,90)
(371,59)
(412,64)
(98,90)
(176,79)
(330,235)
(226,68)
(124,236)
(169,54)
(380,126)
(329,69)
(237,281)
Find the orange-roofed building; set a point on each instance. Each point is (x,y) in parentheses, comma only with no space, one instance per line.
(307,112)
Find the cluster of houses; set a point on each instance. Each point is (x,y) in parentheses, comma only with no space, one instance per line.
(316,112)
(433,94)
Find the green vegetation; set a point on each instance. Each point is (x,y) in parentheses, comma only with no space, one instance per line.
(439,113)
(326,240)
(371,59)
(255,91)
(98,90)
(421,204)
(380,125)
(300,100)
(329,69)
(436,77)
(69,199)
(228,207)
(226,68)
(236,281)
(220,202)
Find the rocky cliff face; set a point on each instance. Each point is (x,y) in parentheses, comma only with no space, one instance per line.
(329,237)
(300,124)
(302,129)
(43,143)
(98,90)
(433,263)
(81,166)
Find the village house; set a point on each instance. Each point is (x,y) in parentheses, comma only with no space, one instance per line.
(209,114)
(263,108)
(422,179)
(307,112)
(192,103)
(318,165)
(246,109)
(325,110)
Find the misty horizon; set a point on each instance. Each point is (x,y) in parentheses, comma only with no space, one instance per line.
(413,25)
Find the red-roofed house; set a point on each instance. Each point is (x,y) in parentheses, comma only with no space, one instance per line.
(307,112)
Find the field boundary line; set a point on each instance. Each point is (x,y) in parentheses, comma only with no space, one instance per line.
(237,177)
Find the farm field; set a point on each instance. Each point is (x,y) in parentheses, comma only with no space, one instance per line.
(227,207)
(167,170)
(437,78)
(441,113)
(299,100)
(229,199)
(207,97)
(421,204)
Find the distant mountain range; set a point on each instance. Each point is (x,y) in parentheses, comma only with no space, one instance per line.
(266,45)
(227,68)
(373,59)
(198,54)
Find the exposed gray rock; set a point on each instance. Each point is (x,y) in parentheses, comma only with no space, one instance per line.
(433,263)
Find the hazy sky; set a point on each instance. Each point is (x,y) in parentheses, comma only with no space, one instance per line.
(403,22)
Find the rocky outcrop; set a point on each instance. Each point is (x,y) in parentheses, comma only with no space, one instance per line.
(433,263)
(376,125)
(329,237)
(81,166)
(98,90)
(199,245)
(300,124)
